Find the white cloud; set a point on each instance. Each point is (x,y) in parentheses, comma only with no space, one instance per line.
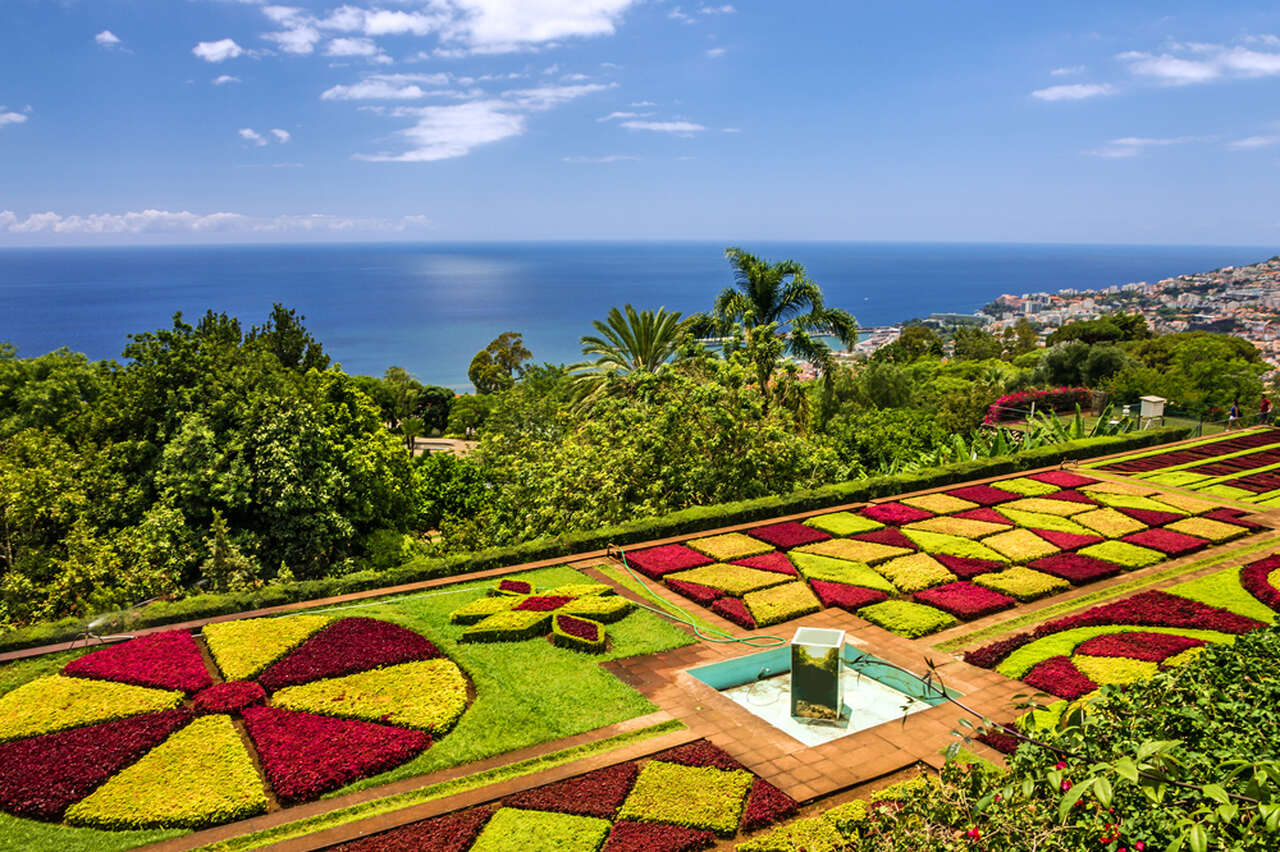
(683,128)
(351,47)
(300,41)
(11,117)
(164,221)
(1203,63)
(224,79)
(1132,146)
(250,135)
(676,14)
(726,9)
(217,51)
(1067,71)
(617,115)
(730,129)
(1251,142)
(642,104)
(374,90)
(1170,70)
(545,97)
(499,26)
(608,158)
(282,136)
(1072,92)
(716,52)
(106,38)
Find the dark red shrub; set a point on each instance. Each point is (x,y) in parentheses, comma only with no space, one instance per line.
(776,562)
(1062,478)
(846,597)
(579,627)
(168,660)
(1232,516)
(964,600)
(895,513)
(1254,579)
(1156,609)
(766,804)
(596,794)
(1151,517)
(654,562)
(984,495)
(989,656)
(696,592)
(1069,496)
(891,536)
(788,534)
(543,603)
(230,697)
(966,567)
(699,753)
(305,755)
(984,513)
(1059,676)
(1066,540)
(1167,542)
(1075,568)
(40,777)
(1001,742)
(1138,645)
(449,833)
(347,646)
(734,610)
(516,587)
(652,837)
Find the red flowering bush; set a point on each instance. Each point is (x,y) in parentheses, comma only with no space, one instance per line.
(846,597)
(788,534)
(989,656)
(1254,579)
(766,804)
(1063,479)
(305,755)
(696,592)
(347,646)
(654,562)
(230,697)
(543,603)
(776,562)
(734,610)
(1059,676)
(40,777)
(968,567)
(699,753)
(1011,405)
(895,513)
(596,794)
(1167,542)
(1075,568)
(654,837)
(964,599)
(983,495)
(1138,645)
(449,833)
(1157,609)
(168,660)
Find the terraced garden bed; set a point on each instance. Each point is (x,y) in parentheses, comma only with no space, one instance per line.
(1243,467)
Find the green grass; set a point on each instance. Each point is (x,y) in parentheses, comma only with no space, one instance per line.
(25,835)
(1223,589)
(17,673)
(622,578)
(364,810)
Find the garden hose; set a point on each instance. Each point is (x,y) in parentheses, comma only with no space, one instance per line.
(706,634)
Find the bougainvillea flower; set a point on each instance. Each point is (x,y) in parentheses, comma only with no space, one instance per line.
(655,562)
(788,534)
(1059,676)
(1138,645)
(168,660)
(347,646)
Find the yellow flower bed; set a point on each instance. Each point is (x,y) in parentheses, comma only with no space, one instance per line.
(427,694)
(853,550)
(729,546)
(55,703)
(244,648)
(915,572)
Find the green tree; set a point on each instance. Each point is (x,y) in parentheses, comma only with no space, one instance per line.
(497,366)
(469,412)
(285,336)
(915,342)
(975,344)
(226,569)
(632,341)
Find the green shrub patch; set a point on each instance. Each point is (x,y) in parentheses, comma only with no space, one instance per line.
(915,572)
(481,608)
(906,618)
(578,634)
(781,603)
(1022,583)
(733,580)
(509,626)
(952,545)
(426,694)
(728,546)
(852,550)
(1123,553)
(605,609)
(1020,545)
(843,523)
(830,570)
(243,648)
(699,797)
(513,829)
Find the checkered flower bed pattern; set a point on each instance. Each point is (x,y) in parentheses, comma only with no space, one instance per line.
(139,734)
(679,800)
(958,554)
(1239,466)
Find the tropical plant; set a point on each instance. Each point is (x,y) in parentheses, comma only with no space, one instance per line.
(629,342)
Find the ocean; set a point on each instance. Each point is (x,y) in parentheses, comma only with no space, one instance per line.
(430,307)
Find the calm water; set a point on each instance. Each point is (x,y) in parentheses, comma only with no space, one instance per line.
(429,307)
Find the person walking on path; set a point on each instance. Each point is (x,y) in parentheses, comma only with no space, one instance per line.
(1264,411)
(1233,415)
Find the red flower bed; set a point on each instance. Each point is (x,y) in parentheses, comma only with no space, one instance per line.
(347,646)
(776,562)
(579,627)
(1254,579)
(989,656)
(848,598)
(1157,609)
(1001,742)
(1012,405)
(1075,568)
(449,833)
(986,513)
(983,495)
(654,562)
(766,804)
(1063,479)
(964,600)
(967,567)
(230,697)
(699,753)
(596,794)
(1066,540)
(1059,676)
(40,777)
(1152,517)
(734,610)
(1232,516)
(305,755)
(696,592)
(652,837)
(1151,647)
(890,536)
(1069,496)
(1167,542)
(168,660)
(895,513)
(516,587)
(543,603)
(788,534)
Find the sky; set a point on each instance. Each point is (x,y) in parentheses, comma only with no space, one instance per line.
(191,121)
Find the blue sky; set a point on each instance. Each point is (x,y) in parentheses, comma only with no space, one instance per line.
(147,121)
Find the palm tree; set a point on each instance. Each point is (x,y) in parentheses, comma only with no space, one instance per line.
(629,342)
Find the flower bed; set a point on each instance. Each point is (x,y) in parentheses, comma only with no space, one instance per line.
(513,587)
(1151,517)
(734,580)
(542,603)
(906,618)
(775,562)
(511,829)
(1061,504)
(306,755)
(1042,520)
(481,608)
(657,562)
(846,597)
(1109,522)
(952,545)
(729,546)
(895,513)
(1168,542)
(891,536)
(1057,399)
(1025,486)
(166,660)
(965,600)
(595,794)
(788,534)
(780,603)
(1068,541)
(1063,478)
(843,523)
(825,569)
(1020,545)
(652,837)
(696,592)
(939,504)
(426,694)
(1123,553)
(510,626)
(1118,670)
(1022,583)
(1075,568)
(988,656)
(962,527)
(605,610)
(348,645)
(55,703)
(578,634)
(983,495)
(766,804)
(699,797)
(966,568)
(243,648)
(1059,676)
(449,833)
(201,775)
(1154,608)
(853,550)
(700,753)
(1256,579)
(1215,531)
(734,610)
(1138,645)
(229,697)
(915,572)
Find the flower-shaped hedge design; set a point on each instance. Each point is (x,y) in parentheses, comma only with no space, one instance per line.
(147,734)
(574,615)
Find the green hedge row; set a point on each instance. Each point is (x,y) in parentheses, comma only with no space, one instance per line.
(692,520)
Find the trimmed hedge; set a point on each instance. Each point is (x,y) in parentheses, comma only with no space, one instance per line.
(577,634)
(1023,583)
(781,603)
(905,618)
(509,626)
(691,796)
(691,520)
(427,694)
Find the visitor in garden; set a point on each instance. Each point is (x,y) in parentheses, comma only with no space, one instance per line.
(1264,411)
(1233,416)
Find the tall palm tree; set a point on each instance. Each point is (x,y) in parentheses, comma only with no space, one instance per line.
(629,342)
